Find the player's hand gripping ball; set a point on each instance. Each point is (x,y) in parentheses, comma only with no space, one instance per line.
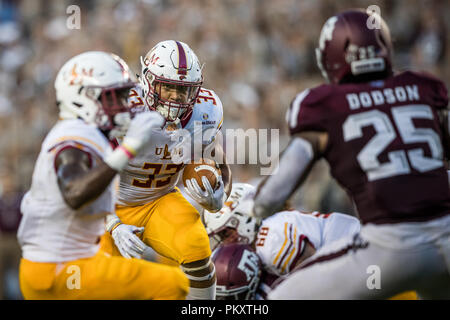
(207,168)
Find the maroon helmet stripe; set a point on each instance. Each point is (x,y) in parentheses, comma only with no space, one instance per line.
(182,62)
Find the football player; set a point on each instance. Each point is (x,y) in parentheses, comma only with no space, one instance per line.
(281,241)
(171,84)
(73,189)
(384,135)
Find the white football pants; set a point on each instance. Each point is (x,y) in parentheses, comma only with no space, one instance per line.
(380,262)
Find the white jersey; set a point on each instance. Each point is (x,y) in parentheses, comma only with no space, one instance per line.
(381,261)
(281,240)
(153,172)
(50,231)
(281,237)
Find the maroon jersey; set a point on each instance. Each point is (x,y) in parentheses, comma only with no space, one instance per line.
(385,143)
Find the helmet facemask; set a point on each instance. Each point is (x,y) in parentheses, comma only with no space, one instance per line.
(113,112)
(171,98)
(239,228)
(226,235)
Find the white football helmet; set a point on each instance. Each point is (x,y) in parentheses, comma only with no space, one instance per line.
(94,86)
(171,64)
(233,223)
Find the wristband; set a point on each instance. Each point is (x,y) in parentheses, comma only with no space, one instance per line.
(112,222)
(114,227)
(119,158)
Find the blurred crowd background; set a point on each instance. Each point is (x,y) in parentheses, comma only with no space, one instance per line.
(257,53)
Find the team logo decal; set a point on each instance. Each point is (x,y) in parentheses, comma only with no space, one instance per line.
(76,77)
(249,264)
(327,32)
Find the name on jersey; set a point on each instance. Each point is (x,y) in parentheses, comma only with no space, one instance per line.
(378,97)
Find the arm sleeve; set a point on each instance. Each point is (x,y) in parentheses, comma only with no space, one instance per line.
(282,246)
(216,115)
(272,195)
(439,94)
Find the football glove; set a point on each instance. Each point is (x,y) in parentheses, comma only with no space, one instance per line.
(209,199)
(126,239)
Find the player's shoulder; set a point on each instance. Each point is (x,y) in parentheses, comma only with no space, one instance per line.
(421,76)
(429,85)
(275,227)
(73,127)
(277,242)
(314,95)
(136,98)
(208,100)
(287,216)
(310,106)
(79,132)
(208,107)
(136,90)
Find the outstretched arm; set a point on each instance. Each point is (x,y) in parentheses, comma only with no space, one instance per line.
(295,164)
(226,171)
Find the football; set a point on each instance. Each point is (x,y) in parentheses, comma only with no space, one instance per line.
(206,168)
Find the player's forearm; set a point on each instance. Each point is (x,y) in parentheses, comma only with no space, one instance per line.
(224,169)
(226,177)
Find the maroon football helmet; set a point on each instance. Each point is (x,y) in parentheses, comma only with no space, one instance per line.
(354,44)
(238,270)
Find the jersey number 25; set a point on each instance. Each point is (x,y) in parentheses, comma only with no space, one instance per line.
(385,133)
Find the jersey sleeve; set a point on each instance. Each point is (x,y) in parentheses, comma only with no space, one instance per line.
(438,93)
(306,112)
(212,117)
(75,134)
(440,96)
(136,100)
(279,244)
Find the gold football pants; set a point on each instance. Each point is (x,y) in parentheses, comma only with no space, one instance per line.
(102,277)
(173,228)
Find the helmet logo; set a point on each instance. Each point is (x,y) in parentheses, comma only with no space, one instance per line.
(77,78)
(327,31)
(228,204)
(152,60)
(249,264)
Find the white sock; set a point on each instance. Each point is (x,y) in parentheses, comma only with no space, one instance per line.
(202,293)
